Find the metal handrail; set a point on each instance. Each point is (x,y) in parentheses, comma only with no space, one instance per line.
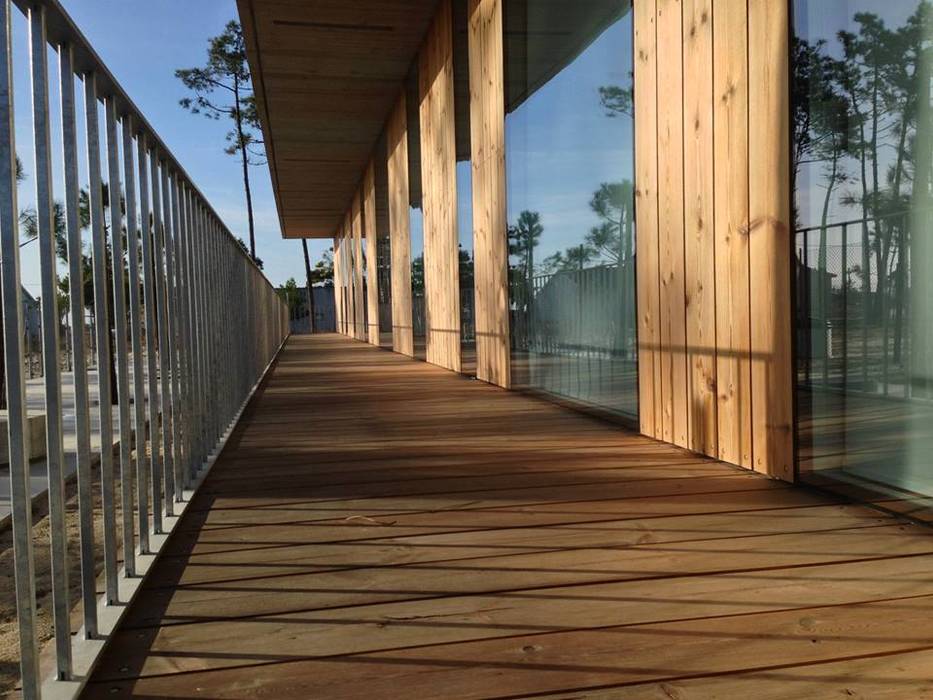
(196,325)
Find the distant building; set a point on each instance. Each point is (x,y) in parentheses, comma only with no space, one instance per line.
(32,319)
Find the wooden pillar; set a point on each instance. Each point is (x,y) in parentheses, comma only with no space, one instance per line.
(730,168)
(713,204)
(699,233)
(372,266)
(399,231)
(490,239)
(646,213)
(769,237)
(356,232)
(673,340)
(349,288)
(338,282)
(439,192)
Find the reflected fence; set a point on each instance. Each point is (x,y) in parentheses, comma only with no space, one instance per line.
(195,324)
(574,334)
(857,308)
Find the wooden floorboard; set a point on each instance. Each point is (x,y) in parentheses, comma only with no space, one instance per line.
(381,528)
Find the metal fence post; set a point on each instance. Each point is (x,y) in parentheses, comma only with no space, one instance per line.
(23,563)
(51,367)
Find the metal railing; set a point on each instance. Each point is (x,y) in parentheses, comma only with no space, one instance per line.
(854,293)
(573,334)
(195,325)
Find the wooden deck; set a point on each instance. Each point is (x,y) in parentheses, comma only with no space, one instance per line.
(379,528)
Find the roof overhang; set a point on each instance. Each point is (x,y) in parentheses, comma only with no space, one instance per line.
(326,74)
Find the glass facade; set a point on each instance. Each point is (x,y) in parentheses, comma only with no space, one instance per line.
(464,184)
(863,217)
(415,213)
(570,172)
(383,243)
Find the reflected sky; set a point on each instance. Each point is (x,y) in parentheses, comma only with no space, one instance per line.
(561,144)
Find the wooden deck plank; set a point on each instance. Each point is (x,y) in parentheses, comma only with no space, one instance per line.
(418,530)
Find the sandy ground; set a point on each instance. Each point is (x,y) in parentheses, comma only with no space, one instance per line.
(9,629)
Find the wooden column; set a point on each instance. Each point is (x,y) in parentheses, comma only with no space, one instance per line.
(646,213)
(439,192)
(372,267)
(338,284)
(349,276)
(399,232)
(769,237)
(699,232)
(673,340)
(713,204)
(730,172)
(356,231)
(490,243)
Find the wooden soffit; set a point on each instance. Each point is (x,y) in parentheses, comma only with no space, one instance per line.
(326,74)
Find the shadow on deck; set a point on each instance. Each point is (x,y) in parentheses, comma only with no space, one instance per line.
(380,528)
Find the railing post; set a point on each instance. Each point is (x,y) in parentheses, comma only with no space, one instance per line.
(51,368)
(175,342)
(102,332)
(23,563)
(159,234)
(76,281)
(120,338)
(152,363)
(136,335)
(191,341)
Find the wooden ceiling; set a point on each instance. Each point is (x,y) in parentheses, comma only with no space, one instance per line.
(326,74)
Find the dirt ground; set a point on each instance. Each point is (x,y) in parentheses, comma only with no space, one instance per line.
(9,628)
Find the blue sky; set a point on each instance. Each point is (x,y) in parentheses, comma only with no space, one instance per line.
(561,145)
(142,44)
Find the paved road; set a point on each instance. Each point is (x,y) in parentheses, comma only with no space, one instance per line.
(35,400)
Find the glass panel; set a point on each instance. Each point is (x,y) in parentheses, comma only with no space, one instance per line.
(570,164)
(383,244)
(415,213)
(863,147)
(464,184)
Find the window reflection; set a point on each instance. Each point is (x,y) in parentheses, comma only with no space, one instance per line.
(415,213)
(383,243)
(863,147)
(464,184)
(569,150)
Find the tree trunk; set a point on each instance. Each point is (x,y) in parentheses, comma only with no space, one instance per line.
(245,158)
(821,264)
(304,246)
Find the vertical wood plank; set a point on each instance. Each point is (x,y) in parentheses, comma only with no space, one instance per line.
(372,266)
(399,231)
(439,189)
(646,213)
(356,231)
(769,238)
(731,172)
(699,233)
(339,282)
(673,341)
(487,136)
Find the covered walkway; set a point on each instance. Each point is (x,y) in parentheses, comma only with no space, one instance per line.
(381,528)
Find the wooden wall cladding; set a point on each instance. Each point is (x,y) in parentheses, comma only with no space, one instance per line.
(345,286)
(399,232)
(487,150)
(769,233)
(368,197)
(646,218)
(356,231)
(338,285)
(712,170)
(439,191)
